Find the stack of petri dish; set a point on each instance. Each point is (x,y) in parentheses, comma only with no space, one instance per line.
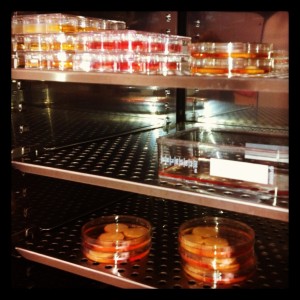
(47,41)
(280,59)
(131,51)
(68,42)
(217,251)
(116,239)
(231,59)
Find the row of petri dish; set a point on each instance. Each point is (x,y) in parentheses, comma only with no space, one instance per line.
(127,51)
(109,40)
(237,59)
(75,35)
(58,22)
(214,251)
(124,62)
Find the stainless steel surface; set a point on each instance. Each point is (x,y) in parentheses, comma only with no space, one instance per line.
(130,163)
(60,245)
(208,83)
(51,129)
(30,275)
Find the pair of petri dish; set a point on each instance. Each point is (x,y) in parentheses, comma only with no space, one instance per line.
(216,251)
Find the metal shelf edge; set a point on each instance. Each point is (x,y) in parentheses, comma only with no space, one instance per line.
(183,81)
(121,282)
(225,203)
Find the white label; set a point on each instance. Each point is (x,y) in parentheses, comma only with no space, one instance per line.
(267,152)
(241,170)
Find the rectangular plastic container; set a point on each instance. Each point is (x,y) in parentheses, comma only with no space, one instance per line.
(225,158)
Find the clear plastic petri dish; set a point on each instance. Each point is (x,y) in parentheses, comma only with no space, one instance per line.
(17,42)
(251,67)
(280,61)
(36,60)
(17,24)
(116,239)
(216,250)
(259,50)
(36,42)
(209,66)
(34,24)
(57,23)
(218,50)
(60,60)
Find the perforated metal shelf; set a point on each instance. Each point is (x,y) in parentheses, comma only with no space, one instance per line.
(59,245)
(49,129)
(130,163)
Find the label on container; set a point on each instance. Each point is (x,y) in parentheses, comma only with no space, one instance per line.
(267,152)
(180,162)
(245,171)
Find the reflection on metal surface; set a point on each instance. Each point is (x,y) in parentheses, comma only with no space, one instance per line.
(59,246)
(56,128)
(208,83)
(130,163)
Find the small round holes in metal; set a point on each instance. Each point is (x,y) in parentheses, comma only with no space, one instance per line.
(162,282)
(245,196)
(122,174)
(265,198)
(228,193)
(192,282)
(194,187)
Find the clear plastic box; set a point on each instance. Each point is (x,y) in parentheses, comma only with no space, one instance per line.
(244,161)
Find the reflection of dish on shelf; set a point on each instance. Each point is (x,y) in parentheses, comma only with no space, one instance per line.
(205,179)
(143,99)
(147,104)
(267,152)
